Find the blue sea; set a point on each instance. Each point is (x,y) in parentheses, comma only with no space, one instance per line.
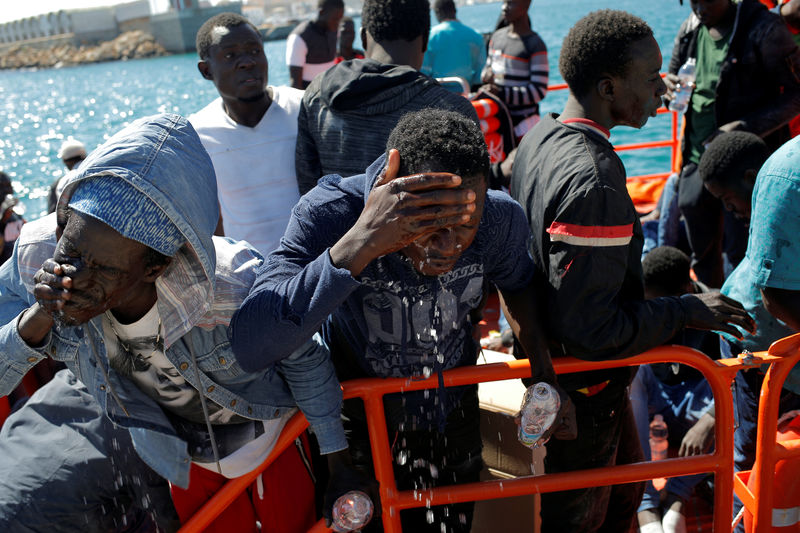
(41,108)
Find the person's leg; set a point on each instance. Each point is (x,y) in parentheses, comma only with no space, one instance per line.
(65,467)
(600,425)
(624,499)
(747,387)
(702,213)
(640,389)
(439,459)
(423,459)
(203,485)
(285,485)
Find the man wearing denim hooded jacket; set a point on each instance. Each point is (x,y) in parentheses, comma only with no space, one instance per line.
(129,248)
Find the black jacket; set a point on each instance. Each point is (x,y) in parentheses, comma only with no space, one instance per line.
(348,112)
(587,240)
(759,80)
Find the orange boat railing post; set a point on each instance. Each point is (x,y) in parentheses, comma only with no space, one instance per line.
(759,498)
(720,375)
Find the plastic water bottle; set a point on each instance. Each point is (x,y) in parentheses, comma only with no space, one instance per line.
(658,438)
(352,511)
(683,89)
(539,408)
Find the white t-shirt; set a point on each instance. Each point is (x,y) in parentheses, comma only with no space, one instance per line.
(256,180)
(296,51)
(136,351)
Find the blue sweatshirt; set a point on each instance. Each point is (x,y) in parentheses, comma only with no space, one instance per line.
(393,321)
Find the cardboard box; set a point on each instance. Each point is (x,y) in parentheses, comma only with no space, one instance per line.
(504,457)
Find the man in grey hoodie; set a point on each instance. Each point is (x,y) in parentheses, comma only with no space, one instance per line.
(348,112)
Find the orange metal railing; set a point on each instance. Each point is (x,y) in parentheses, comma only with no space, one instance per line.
(720,375)
(759,498)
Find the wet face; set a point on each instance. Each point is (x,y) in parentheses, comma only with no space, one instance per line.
(637,95)
(108,270)
(711,12)
(437,253)
(514,10)
(736,199)
(237,64)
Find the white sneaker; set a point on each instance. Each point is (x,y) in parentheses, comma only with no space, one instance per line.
(651,527)
(673,522)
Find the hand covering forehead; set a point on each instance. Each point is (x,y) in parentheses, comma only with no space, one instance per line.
(127,210)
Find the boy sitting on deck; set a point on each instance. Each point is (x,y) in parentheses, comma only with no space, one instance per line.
(678,392)
(390,269)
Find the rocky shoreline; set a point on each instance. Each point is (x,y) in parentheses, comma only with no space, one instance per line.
(129,45)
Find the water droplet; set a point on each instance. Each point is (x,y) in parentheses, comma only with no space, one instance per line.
(402,457)
(429,516)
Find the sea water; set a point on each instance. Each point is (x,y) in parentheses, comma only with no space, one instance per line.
(41,108)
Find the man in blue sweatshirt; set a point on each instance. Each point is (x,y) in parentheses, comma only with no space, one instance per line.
(390,269)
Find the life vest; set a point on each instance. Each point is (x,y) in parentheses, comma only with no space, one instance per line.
(786,504)
(496,125)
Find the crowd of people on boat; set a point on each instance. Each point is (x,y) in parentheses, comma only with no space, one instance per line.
(199,279)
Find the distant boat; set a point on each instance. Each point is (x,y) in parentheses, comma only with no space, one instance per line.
(276,32)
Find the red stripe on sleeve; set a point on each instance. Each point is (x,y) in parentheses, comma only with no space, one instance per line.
(591,232)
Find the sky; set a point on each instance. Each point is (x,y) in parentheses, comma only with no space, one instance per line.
(18,9)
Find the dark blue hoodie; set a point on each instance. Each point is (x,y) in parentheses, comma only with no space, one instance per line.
(392,321)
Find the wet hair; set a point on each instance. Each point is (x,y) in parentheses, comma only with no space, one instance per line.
(730,155)
(204,38)
(444,7)
(392,20)
(330,4)
(597,45)
(667,269)
(434,140)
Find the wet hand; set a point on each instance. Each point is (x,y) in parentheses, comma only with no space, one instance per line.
(53,286)
(715,311)
(345,478)
(400,210)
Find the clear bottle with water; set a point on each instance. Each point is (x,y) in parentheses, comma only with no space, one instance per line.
(539,408)
(658,438)
(351,511)
(683,89)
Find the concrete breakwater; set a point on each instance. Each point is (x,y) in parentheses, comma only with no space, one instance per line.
(129,45)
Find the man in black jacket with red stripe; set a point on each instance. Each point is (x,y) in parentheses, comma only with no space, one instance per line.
(587,239)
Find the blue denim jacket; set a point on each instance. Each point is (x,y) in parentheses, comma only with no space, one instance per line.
(198,293)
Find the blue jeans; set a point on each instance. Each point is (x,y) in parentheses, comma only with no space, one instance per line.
(681,405)
(747,389)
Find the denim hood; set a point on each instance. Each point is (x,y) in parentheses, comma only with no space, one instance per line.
(161,156)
